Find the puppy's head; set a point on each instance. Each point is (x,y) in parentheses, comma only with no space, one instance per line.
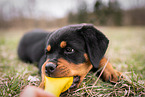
(73,51)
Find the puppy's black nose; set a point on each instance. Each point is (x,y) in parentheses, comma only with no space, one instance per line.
(49,68)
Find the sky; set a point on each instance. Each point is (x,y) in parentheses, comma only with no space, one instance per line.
(59,8)
(55,8)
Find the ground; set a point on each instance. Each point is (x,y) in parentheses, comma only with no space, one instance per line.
(126,52)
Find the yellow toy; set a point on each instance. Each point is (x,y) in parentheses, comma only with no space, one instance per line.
(57,85)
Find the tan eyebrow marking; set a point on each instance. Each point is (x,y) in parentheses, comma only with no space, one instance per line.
(63,44)
(48,48)
(86,57)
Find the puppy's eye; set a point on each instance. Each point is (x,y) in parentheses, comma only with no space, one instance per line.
(69,50)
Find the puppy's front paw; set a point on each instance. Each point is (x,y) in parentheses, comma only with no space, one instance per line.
(112,76)
(109,74)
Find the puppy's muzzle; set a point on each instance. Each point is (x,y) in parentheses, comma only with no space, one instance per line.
(50,68)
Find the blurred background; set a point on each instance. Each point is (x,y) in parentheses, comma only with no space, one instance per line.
(52,13)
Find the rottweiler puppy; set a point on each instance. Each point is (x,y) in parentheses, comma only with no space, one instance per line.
(73,50)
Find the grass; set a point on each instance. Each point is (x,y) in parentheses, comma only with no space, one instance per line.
(126,52)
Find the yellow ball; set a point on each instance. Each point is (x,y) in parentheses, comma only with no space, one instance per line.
(57,86)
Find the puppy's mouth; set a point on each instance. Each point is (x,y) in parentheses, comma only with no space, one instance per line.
(76,81)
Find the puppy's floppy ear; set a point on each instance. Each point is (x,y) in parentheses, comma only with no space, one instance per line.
(96,43)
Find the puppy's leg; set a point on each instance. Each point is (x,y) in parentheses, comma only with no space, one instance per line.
(109,74)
